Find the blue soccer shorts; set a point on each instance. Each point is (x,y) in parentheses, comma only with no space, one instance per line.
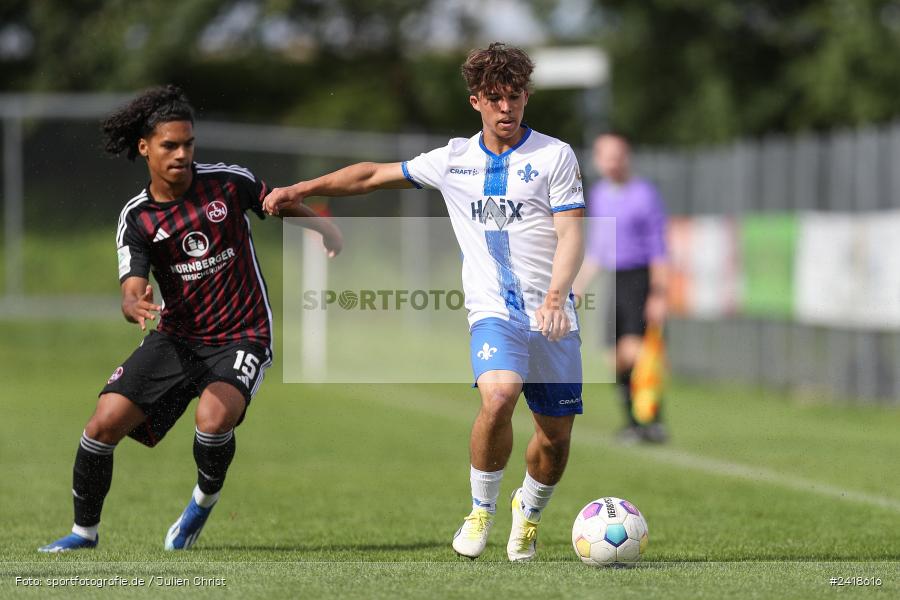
(551,371)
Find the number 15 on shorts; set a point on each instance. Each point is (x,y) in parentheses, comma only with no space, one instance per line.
(247,364)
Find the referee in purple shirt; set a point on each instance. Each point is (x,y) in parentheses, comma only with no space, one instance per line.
(638,257)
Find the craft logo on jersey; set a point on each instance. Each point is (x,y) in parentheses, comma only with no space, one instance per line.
(195,244)
(486,352)
(461,171)
(490,209)
(527,174)
(216,211)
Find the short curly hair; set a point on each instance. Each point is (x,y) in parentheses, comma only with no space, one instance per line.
(497,67)
(124,128)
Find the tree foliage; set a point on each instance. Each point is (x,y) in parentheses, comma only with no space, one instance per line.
(352,63)
(684,71)
(701,71)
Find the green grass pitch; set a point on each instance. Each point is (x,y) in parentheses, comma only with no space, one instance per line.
(355,491)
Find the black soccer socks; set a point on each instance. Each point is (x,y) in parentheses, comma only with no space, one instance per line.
(213,453)
(91,478)
(623,381)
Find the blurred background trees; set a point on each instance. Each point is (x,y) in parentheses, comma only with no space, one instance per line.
(706,71)
(684,72)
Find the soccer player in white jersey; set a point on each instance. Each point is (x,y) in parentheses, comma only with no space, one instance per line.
(515,202)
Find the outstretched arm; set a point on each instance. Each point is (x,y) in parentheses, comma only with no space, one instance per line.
(360,178)
(551,316)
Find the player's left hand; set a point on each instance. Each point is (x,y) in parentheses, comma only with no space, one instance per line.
(552,321)
(279,198)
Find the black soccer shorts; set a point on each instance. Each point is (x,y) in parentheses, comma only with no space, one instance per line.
(165,373)
(627,308)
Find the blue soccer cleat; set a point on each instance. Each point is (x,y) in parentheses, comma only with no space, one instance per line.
(185,531)
(73,541)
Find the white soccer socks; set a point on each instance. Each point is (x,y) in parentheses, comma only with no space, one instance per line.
(204,500)
(88,533)
(535,497)
(485,488)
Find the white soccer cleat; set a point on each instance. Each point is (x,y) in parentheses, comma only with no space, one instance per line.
(523,535)
(471,539)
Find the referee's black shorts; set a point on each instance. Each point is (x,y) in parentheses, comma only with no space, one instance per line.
(627,308)
(165,373)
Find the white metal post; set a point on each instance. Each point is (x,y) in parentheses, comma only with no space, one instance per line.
(313,323)
(13,206)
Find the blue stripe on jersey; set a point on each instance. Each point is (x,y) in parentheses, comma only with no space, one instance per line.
(496,174)
(557,209)
(510,286)
(496,177)
(408,176)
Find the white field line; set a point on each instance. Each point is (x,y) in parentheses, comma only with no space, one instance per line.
(664,455)
(712,466)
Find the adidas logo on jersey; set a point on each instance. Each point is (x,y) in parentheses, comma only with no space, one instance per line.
(160,235)
(482,211)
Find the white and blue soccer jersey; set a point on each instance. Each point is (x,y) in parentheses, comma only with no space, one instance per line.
(501,207)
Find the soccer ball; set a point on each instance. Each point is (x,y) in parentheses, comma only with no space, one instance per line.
(609,532)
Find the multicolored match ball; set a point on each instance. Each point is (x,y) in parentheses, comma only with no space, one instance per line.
(610,532)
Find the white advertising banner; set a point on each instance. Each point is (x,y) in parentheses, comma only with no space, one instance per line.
(715,266)
(848,270)
(704,259)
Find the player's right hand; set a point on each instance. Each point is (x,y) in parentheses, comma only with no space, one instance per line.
(142,308)
(279,198)
(552,320)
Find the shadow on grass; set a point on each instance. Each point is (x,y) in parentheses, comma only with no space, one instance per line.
(320,548)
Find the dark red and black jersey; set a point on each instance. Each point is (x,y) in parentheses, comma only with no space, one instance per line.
(201,253)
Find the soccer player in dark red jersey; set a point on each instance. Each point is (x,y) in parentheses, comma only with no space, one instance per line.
(189,228)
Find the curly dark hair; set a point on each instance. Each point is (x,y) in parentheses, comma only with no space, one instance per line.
(125,127)
(496,68)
